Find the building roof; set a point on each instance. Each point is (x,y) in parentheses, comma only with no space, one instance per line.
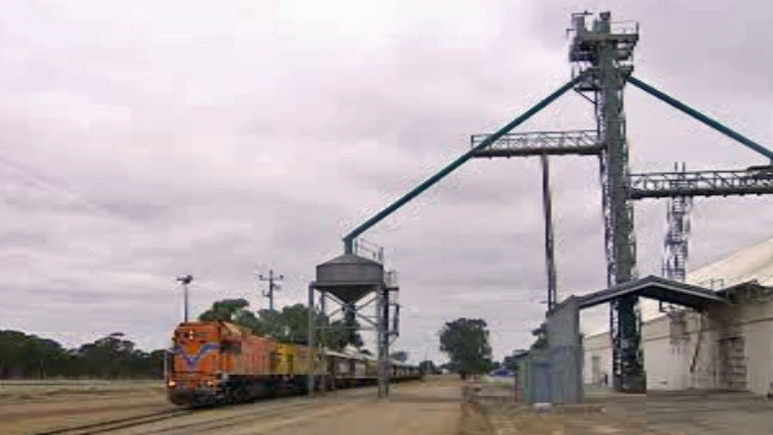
(754,263)
(655,288)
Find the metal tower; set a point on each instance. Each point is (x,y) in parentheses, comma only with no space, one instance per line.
(675,257)
(675,243)
(602,59)
(355,284)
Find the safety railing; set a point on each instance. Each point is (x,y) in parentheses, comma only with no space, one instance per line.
(700,183)
(539,142)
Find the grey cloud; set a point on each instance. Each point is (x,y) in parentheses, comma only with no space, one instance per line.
(221,143)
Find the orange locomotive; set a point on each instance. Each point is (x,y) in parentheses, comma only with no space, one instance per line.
(219,362)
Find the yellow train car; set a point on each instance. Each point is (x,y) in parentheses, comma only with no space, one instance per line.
(292,359)
(292,363)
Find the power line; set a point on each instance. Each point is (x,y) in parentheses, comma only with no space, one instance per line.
(26,177)
(52,184)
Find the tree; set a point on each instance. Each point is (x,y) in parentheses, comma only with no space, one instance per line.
(296,323)
(337,335)
(270,323)
(112,356)
(428,366)
(340,335)
(466,343)
(227,310)
(400,355)
(29,356)
(290,325)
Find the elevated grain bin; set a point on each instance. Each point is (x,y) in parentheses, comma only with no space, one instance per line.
(350,277)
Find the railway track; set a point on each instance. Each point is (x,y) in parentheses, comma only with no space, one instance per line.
(212,419)
(219,418)
(216,422)
(118,424)
(236,415)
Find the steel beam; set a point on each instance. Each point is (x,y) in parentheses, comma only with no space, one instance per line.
(716,125)
(349,238)
(311,337)
(382,339)
(547,208)
(578,142)
(323,381)
(699,183)
(385,363)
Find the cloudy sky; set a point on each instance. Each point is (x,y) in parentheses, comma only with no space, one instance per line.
(146,139)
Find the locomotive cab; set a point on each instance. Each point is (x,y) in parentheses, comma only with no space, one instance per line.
(195,369)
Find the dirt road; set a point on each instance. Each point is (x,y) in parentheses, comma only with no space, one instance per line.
(429,408)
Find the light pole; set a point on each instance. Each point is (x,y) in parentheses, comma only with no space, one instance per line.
(185,280)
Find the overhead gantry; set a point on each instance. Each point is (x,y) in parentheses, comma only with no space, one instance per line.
(602,58)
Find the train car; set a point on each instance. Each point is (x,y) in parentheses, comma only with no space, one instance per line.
(348,370)
(218,362)
(338,370)
(292,364)
(368,368)
(404,372)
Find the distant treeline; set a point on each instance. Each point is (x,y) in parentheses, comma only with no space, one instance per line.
(112,357)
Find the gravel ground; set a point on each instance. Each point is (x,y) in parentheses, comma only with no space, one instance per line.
(29,406)
(416,408)
(430,407)
(683,413)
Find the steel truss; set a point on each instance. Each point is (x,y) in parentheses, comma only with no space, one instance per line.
(699,183)
(537,143)
(677,235)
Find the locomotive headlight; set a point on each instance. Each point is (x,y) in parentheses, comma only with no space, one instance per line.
(210,383)
(171,384)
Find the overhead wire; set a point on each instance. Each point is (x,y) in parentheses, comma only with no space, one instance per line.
(36,180)
(53,184)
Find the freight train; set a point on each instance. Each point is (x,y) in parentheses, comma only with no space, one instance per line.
(218,362)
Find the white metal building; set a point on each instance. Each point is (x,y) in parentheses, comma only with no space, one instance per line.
(727,347)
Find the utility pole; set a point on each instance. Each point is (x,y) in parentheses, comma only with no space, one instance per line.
(185,280)
(272,285)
